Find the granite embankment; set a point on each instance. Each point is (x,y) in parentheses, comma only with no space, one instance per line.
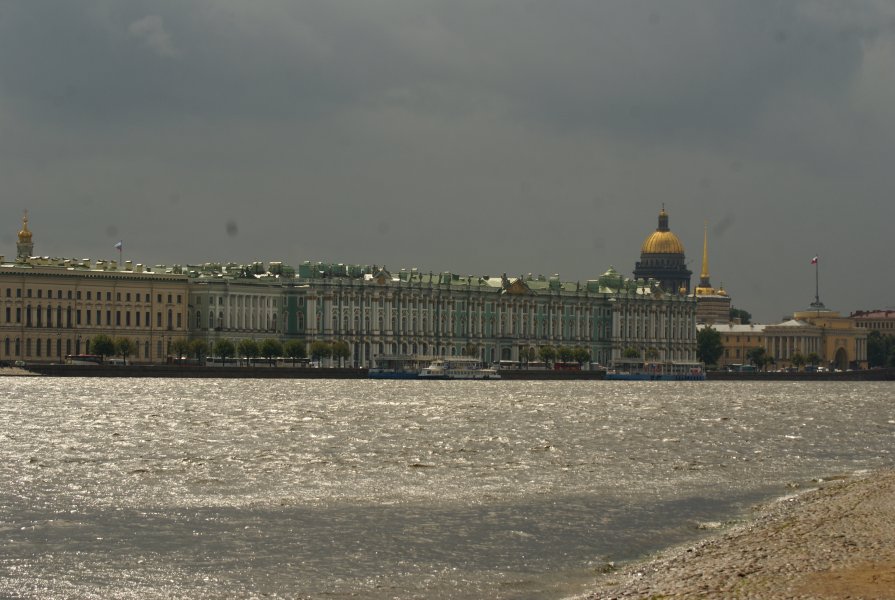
(837,541)
(285,372)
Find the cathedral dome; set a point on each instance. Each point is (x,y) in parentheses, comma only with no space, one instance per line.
(662,240)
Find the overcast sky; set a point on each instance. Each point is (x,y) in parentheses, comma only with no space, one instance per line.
(473,136)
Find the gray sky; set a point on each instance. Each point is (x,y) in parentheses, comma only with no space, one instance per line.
(472,136)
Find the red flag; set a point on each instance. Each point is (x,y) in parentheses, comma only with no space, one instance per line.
(814,261)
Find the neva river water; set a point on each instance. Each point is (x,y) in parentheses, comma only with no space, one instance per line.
(162,488)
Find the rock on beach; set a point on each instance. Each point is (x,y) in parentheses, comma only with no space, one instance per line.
(835,541)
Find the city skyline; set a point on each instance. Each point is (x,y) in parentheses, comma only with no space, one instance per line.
(458,137)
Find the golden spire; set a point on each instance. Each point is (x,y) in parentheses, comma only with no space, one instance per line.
(705,254)
(705,287)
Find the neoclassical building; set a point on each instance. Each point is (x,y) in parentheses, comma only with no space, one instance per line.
(837,341)
(51,308)
(495,318)
(662,258)
(54,307)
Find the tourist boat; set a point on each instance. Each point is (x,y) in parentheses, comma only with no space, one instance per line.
(638,370)
(398,366)
(458,368)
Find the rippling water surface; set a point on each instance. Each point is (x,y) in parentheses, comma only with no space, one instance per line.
(161,488)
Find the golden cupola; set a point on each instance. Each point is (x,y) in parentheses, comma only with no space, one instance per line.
(25,234)
(25,247)
(662,240)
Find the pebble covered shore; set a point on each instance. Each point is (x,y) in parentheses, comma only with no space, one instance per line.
(837,541)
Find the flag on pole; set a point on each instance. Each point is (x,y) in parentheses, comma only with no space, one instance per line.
(120,244)
(813,260)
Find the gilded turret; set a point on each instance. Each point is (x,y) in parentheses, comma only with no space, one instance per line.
(25,247)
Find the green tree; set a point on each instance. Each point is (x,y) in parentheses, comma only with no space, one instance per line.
(198,349)
(581,355)
(758,356)
(631,353)
(565,354)
(470,349)
(880,349)
(547,354)
(341,351)
(744,317)
(651,353)
(813,359)
(797,360)
(320,350)
(180,347)
(295,349)
(224,349)
(708,345)
(124,347)
(529,354)
(248,349)
(270,349)
(103,345)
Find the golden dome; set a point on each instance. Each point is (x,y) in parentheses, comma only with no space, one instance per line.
(24,234)
(662,240)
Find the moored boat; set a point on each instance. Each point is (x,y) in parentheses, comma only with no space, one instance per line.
(458,368)
(638,370)
(398,366)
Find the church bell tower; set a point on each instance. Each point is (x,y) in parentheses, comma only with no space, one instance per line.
(24,247)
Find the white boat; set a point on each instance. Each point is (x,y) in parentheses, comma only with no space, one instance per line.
(458,368)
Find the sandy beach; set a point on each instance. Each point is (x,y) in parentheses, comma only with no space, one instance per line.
(836,541)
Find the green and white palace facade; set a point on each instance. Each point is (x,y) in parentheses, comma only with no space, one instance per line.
(409,312)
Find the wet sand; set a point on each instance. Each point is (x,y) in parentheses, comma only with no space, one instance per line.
(837,541)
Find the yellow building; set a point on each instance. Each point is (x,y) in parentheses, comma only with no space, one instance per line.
(51,308)
(842,343)
(737,340)
(836,340)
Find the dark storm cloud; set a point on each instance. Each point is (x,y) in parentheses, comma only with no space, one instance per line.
(645,67)
(465,135)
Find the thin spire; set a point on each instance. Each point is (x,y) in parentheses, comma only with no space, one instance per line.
(704,276)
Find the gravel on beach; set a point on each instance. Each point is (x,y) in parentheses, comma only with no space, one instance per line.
(836,541)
